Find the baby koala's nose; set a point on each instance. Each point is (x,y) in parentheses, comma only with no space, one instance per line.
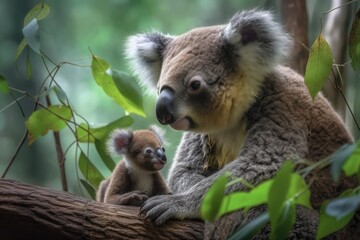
(160,154)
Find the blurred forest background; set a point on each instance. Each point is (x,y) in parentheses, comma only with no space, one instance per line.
(103,25)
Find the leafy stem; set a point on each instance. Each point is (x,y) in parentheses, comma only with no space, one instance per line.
(60,153)
(339,88)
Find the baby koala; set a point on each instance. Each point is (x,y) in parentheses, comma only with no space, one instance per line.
(137,177)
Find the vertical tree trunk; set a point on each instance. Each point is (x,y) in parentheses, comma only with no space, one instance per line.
(295,19)
(336,35)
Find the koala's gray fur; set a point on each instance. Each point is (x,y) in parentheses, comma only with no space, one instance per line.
(245,114)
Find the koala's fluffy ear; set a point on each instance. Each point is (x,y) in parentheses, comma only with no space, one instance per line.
(145,52)
(160,133)
(119,141)
(257,39)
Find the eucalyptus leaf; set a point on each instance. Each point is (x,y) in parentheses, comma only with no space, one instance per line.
(330,224)
(339,158)
(352,165)
(284,222)
(318,66)
(249,230)
(89,171)
(90,189)
(102,151)
(20,48)
(28,65)
(129,88)
(279,191)
(116,86)
(239,200)
(298,190)
(39,12)
(342,207)
(354,42)
(4,87)
(32,35)
(85,133)
(61,95)
(46,119)
(211,203)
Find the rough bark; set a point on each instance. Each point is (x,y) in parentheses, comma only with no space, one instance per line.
(295,19)
(30,212)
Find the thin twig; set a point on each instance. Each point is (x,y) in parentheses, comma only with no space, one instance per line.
(60,153)
(16,101)
(343,96)
(15,154)
(23,138)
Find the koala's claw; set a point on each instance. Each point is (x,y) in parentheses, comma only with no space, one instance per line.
(161,208)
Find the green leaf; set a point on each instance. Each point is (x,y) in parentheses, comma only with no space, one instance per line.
(100,133)
(101,149)
(352,165)
(278,193)
(39,12)
(51,118)
(61,95)
(129,88)
(239,200)
(354,42)
(249,230)
(298,190)
(341,207)
(318,66)
(4,87)
(329,224)
(32,35)
(339,158)
(20,48)
(89,171)
(28,65)
(285,221)
(90,189)
(211,203)
(111,81)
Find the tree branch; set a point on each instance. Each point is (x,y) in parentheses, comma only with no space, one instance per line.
(60,153)
(31,212)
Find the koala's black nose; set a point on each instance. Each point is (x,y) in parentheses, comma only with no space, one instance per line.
(165,106)
(161,155)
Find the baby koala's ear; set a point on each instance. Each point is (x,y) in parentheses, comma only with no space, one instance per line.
(159,132)
(119,141)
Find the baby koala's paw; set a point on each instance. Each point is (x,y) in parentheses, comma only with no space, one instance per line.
(134,198)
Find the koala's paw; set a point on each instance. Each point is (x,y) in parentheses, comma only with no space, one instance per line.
(135,198)
(160,208)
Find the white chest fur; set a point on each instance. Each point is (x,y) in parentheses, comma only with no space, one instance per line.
(142,181)
(226,146)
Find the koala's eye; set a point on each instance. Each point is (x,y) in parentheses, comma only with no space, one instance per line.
(148,151)
(195,84)
(163,149)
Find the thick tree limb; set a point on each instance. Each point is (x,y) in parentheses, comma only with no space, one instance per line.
(30,212)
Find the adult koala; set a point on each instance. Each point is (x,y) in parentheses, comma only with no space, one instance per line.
(242,112)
